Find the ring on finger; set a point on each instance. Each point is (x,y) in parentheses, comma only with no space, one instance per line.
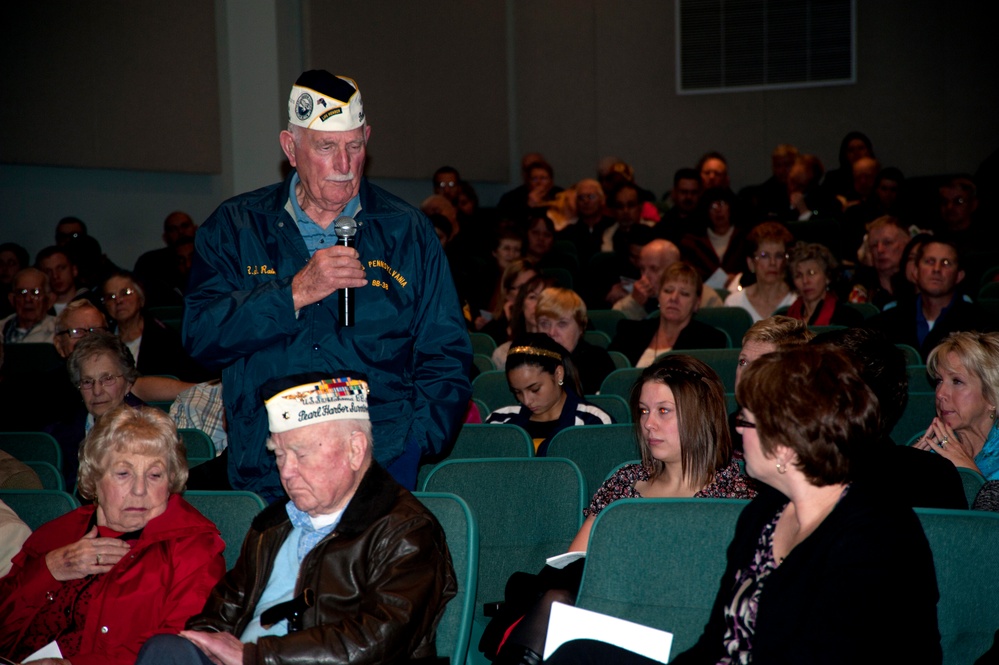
(943,442)
(98,559)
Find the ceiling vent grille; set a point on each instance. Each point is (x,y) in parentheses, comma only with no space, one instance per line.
(737,45)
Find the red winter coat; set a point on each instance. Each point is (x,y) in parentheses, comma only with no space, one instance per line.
(163,581)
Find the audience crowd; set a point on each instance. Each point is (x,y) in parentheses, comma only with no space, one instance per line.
(835,270)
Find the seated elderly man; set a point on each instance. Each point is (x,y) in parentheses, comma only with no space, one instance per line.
(31,297)
(350,568)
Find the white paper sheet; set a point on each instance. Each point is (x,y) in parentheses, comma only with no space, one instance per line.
(50,650)
(563,560)
(568,623)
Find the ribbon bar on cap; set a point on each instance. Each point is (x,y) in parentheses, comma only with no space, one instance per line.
(318,402)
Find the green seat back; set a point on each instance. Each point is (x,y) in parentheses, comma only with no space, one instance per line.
(32,447)
(722,361)
(964,544)
(36,507)
(919,380)
(483,409)
(200,447)
(477,441)
(605,320)
(614,405)
(620,360)
(972,481)
(496,440)
(659,562)
(492,388)
(482,343)
(527,510)
(50,476)
(919,411)
(733,320)
(232,512)
(912,356)
(595,449)
(455,517)
(483,362)
(620,381)
(866,309)
(597,338)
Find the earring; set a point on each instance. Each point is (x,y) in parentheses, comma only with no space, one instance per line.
(781,468)
(992,414)
(560,383)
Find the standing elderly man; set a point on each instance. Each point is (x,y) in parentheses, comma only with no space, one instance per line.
(267,280)
(351,569)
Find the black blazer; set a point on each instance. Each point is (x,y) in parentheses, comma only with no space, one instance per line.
(633,337)
(899,323)
(860,589)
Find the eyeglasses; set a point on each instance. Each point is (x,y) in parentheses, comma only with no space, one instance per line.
(29,293)
(63,237)
(447,184)
(124,293)
(80,333)
(767,256)
(931,262)
(107,381)
(743,423)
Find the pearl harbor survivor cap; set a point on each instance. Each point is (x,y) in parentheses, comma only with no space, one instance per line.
(324,102)
(317,401)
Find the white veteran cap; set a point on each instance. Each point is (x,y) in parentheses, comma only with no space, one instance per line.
(319,100)
(316,401)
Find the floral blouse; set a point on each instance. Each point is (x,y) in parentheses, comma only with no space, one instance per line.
(728,483)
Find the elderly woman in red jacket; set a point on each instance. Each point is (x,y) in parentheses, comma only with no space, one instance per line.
(102,579)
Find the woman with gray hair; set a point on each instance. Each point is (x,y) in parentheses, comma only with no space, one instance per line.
(139,561)
(965,369)
(102,369)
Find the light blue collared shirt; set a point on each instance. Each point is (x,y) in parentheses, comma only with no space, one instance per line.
(280,586)
(315,236)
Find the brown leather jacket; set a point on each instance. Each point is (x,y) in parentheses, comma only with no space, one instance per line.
(381,580)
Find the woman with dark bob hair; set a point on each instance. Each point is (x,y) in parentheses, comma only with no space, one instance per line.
(822,568)
(139,561)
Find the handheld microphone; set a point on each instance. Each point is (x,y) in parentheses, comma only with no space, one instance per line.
(346,229)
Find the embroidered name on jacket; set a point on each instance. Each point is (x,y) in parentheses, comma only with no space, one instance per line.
(260,270)
(387,268)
